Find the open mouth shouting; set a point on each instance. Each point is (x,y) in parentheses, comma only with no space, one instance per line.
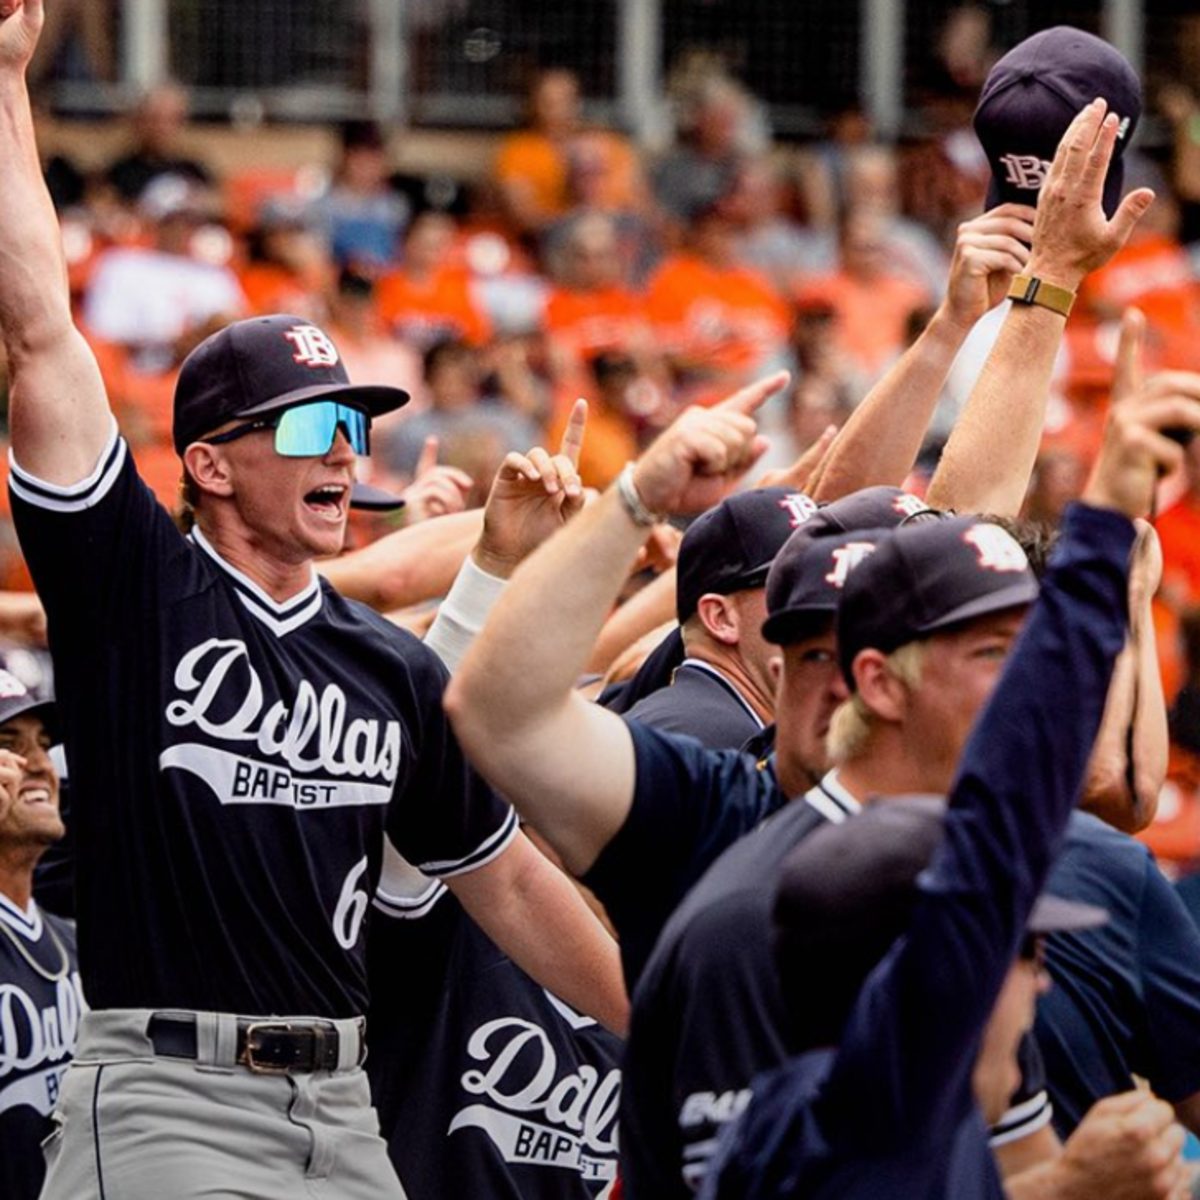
(330,501)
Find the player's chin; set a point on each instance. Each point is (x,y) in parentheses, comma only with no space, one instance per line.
(326,543)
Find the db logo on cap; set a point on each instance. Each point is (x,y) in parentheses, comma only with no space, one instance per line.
(1025,171)
(313,347)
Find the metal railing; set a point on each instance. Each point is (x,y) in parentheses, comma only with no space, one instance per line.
(464,62)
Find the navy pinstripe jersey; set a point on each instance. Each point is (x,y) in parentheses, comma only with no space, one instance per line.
(235,761)
(39,1020)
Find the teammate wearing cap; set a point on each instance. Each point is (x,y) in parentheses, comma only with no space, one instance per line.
(892,1106)
(240,740)
(721,693)
(40,992)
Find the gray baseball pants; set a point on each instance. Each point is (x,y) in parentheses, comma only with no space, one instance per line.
(131,1125)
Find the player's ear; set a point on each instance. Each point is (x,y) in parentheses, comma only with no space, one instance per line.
(719,617)
(882,693)
(208,468)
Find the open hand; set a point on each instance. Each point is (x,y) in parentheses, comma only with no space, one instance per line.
(1071,233)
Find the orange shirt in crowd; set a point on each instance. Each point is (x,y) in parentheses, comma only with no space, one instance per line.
(580,324)
(1179,532)
(871,314)
(724,319)
(1155,273)
(422,312)
(143,403)
(542,166)
(271,288)
(1178,528)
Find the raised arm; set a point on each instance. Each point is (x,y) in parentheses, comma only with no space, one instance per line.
(408,565)
(880,441)
(1129,760)
(567,764)
(989,457)
(59,418)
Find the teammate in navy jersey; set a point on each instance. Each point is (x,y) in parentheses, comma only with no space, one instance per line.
(240,740)
(722,692)
(41,997)
(882,1096)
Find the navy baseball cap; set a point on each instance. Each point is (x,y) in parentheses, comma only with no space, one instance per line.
(927,577)
(847,892)
(262,364)
(732,545)
(878,507)
(17,699)
(806,580)
(1034,92)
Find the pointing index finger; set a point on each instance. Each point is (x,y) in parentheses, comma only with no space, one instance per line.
(755,394)
(572,438)
(1127,376)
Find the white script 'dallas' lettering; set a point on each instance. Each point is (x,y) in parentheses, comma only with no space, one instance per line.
(35,1037)
(227,702)
(520,1073)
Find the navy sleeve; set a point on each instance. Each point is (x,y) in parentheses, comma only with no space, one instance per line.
(689,804)
(903,1069)
(1169,959)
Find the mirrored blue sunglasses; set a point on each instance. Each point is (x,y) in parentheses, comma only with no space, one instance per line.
(308,430)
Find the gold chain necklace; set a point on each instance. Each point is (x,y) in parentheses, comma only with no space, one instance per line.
(54,977)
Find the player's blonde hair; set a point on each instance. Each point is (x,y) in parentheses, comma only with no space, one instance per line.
(189,495)
(853,721)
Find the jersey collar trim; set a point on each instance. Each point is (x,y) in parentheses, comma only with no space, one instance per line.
(709,669)
(279,618)
(832,800)
(27,924)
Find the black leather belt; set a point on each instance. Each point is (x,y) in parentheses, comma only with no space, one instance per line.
(265,1047)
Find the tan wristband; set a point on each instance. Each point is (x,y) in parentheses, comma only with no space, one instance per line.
(1028,289)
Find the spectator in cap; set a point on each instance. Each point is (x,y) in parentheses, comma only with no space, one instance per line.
(430,297)
(862,1105)
(287,265)
(719,321)
(591,309)
(723,692)
(39,970)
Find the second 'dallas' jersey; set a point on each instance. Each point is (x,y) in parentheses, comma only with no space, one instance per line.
(41,1004)
(235,762)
